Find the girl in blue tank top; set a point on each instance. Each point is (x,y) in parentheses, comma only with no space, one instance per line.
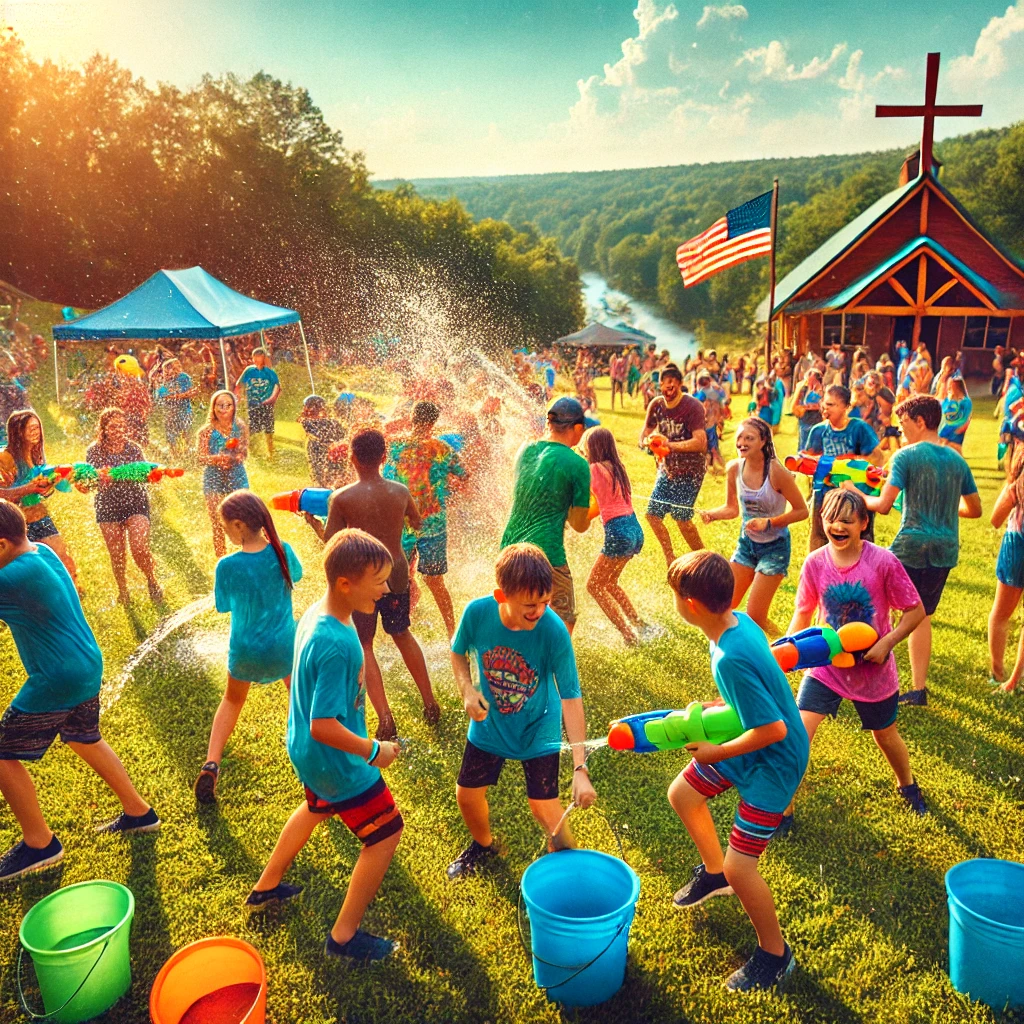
(221,448)
(255,586)
(759,489)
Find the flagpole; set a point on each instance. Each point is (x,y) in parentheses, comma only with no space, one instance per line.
(771,280)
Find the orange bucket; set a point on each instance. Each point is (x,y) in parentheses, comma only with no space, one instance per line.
(224,975)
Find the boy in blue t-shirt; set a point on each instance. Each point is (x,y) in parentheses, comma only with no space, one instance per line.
(262,390)
(339,767)
(765,764)
(528,681)
(177,392)
(64,669)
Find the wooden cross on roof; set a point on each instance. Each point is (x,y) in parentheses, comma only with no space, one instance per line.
(929,111)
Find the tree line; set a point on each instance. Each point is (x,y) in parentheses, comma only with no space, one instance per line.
(626,225)
(105,179)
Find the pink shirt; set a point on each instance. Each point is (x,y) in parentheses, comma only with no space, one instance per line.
(864,592)
(610,501)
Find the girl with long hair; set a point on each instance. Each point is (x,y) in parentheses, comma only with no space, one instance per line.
(20,484)
(957,409)
(759,488)
(254,585)
(623,535)
(122,507)
(1009,509)
(221,448)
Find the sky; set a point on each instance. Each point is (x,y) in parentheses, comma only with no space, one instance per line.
(447,88)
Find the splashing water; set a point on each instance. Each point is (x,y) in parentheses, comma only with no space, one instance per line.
(598,743)
(111,692)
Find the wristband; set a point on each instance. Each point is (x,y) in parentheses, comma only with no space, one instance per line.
(373,753)
(582,767)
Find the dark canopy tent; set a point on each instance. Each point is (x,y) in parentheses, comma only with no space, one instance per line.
(602,336)
(181,304)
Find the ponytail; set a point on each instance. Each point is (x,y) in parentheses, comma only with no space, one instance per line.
(250,509)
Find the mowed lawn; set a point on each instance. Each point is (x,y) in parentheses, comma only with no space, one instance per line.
(859,885)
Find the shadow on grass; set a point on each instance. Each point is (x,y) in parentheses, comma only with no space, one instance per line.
(178,552)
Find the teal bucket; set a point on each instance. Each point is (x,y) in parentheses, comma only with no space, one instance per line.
(986,937)
(580,904)
(77,938)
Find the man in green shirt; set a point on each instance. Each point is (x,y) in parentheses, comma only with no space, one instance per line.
(552,488)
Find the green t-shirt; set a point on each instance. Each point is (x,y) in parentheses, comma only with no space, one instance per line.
(550,478)
(932,478)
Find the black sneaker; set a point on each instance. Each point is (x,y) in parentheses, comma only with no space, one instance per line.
(784,827)
(763,970)
(470,859)
(918,698)
(281,893)
(205,785)
(23,859)
(362,947)
(148,822)
(915,801)
(701,887)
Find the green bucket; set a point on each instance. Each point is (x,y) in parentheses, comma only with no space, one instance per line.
(77,938)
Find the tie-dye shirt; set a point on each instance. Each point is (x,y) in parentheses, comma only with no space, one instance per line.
(867,591)
(425,465)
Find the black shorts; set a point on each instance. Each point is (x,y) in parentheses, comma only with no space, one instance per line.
(27,735)
(122,505)
(481,769)
(875,715)
(41,529)
(929,582)
(393,610)
(261,419)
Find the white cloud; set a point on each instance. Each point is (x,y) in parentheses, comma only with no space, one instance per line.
(989,58)
(675,65)
(634,50)
(853,79)
(727,12)
(772,62)
(725,88)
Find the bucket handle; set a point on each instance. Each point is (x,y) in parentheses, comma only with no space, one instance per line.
(46,1016)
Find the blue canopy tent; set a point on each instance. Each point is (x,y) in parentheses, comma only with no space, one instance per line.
(181,304)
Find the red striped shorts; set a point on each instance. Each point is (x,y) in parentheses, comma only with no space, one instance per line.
(371,816)
(752,828)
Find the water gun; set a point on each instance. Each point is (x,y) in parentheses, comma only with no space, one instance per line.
(85,476)
(823,645)
(313,500)
(670,730)
(657,445)
(832,470)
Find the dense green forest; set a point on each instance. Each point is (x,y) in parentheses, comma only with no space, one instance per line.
(627,224)
(105,179)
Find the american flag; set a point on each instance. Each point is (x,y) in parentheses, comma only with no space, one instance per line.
(742,234)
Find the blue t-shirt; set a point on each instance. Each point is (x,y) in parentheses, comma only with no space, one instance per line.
(327,682)
(856,438)
(749,679)
(39,603)
(251,586)
(525,674)
(933,478)
(179,409)
(259,384)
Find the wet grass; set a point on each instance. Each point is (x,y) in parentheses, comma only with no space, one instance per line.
(859,885)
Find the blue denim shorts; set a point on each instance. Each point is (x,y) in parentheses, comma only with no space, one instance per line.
(674,496)
(770,558)
(623,537)
(433,554)
(1010,564)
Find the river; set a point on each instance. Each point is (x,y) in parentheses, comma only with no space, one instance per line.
(679,342)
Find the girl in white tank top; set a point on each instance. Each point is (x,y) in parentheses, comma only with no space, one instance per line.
(759,489)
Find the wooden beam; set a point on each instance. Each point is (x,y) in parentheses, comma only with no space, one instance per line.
(930,311)
(900,290)
(939,292)
(922,278)
(923,227)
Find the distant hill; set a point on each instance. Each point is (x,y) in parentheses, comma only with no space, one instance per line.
(627,224)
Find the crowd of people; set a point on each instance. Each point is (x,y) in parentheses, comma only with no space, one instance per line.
(395,485)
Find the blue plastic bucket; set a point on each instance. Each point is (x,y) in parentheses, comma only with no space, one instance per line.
(986,936)
(580,904)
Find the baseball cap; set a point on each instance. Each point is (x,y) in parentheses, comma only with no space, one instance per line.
(565,412)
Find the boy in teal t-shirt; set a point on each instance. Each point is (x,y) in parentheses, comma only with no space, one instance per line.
(262,390)
(528,680)
(337,764)
(765,764)
(64,668)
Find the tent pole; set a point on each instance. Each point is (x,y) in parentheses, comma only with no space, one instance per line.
(224,363)
(263,340)
(56,373)
(305,348)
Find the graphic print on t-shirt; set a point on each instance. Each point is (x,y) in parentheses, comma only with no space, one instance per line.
(848,602)
(511,679)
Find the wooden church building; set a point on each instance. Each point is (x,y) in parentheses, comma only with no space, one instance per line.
(912,267)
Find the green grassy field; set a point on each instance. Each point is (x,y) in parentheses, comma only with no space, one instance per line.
(859,886)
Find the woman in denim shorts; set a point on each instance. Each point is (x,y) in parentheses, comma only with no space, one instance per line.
(759,488)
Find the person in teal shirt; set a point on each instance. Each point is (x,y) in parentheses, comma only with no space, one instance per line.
(262,390)
(764,764)
(255,586)
(528,682)
(64,669)
(337,764)
(956,413)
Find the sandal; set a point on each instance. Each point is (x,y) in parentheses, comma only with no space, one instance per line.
(205,785)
